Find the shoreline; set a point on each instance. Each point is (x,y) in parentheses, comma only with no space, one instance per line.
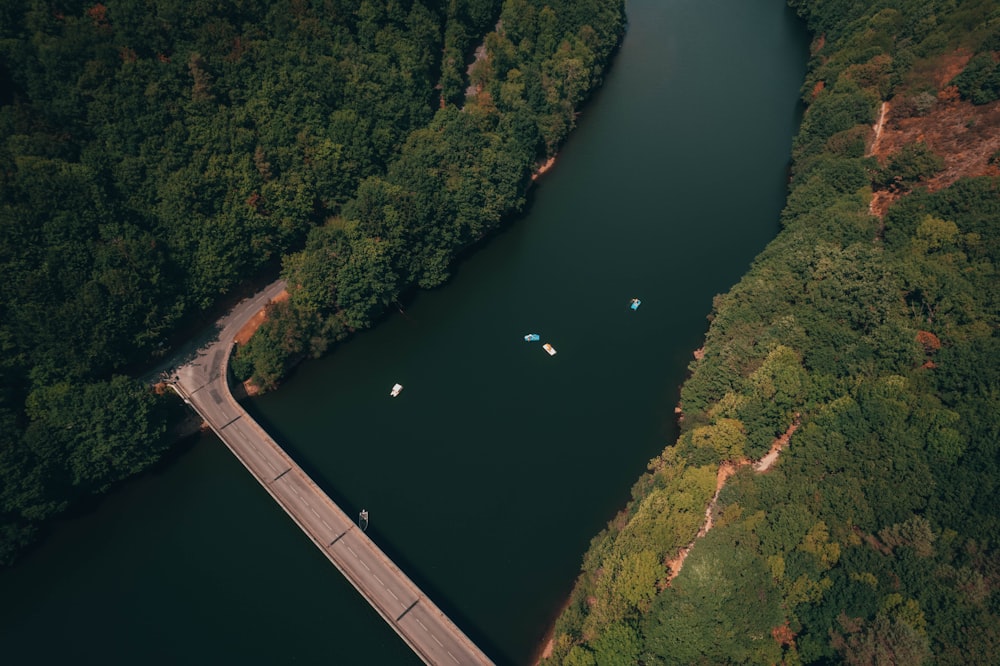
(674,565)
(548,642)
(548,164)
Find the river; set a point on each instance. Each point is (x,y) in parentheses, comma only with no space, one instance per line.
(488,476)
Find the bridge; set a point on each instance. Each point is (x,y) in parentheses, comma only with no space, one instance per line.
(203,383)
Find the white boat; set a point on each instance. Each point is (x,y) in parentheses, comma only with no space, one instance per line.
(549,348)
(396,388)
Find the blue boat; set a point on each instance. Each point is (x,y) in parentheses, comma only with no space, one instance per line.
(635,304)
(532,337)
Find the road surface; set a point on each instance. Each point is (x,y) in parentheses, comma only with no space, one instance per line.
(203,383)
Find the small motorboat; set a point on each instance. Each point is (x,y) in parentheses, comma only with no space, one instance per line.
(549,348)
(396,388)
(532,337)
(635,304)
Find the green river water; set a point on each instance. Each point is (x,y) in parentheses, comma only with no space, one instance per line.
(488,476)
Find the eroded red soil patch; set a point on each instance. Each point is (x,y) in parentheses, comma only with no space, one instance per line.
(251,326)
(966,136)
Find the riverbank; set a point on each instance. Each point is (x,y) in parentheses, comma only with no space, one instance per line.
(543,167)
(674,564)
(838,324)
(445,479)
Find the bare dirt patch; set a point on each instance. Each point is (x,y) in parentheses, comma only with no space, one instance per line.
(966,136)
(248,388)
(251,326)
(938,71)
(548,164)
(779,444)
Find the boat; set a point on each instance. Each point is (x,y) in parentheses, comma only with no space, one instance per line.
(635,304)
(396,388)
(363,520)
(549,348)
(532,337)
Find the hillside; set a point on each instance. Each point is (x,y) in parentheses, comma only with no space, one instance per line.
(863,342)
(160,158)
(962,133)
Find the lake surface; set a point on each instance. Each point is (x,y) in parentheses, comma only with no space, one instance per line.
(488,476)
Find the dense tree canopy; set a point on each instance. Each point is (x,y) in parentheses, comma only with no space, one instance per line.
(452,184)
(158,155)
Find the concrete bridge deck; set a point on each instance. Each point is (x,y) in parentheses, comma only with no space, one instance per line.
(202,383)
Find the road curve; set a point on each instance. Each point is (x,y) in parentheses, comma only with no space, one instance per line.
(203,383)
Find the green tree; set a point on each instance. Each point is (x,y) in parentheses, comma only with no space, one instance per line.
(720,609)
(913,163)
(617,645)
(103,432)
(979,82)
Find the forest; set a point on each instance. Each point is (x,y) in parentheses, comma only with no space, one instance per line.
(872,340)
(161,157)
